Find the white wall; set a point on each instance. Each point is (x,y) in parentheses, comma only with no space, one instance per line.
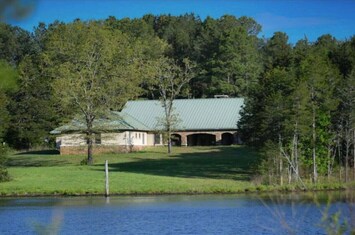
(135,138)
(70,140)
(150,139)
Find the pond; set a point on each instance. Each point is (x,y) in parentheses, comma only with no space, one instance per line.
(182,214)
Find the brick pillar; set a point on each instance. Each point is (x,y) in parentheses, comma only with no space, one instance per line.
(218,138)
(183,139)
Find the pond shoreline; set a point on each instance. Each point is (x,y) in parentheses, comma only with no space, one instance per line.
(137,194)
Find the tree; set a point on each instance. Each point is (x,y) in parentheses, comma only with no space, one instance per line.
(290,115)
(8,80)
(95,70)
(277,52)
(231,64)
(180,32)
(15,43)
(170,80)
(32,109)
(346,119)
(321,79)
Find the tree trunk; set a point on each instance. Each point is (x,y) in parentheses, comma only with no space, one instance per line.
(314,157)
(280,160)
(339,157)
(281,170)
(169,136)
(347,149)
(90,147)
(169,145)
(89,138)
(296,156)
(329,165)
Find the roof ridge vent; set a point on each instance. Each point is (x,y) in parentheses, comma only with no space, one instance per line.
(221,96)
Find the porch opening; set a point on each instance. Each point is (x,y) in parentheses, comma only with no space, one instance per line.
(176,139)
(227,139)
(201,140)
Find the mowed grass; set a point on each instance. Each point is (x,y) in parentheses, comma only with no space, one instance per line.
(152,171)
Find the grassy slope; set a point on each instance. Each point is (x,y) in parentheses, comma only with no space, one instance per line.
(188,170)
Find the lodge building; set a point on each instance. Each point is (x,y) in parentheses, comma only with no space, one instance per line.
(200,122)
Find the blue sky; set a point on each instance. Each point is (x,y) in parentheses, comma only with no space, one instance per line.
(298,18)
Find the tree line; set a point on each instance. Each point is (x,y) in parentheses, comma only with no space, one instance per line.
(299,98)
(301,112)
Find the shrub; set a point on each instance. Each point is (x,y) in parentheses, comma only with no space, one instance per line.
(4,175)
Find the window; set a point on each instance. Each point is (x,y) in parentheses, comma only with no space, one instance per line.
(157,139)
(98,138)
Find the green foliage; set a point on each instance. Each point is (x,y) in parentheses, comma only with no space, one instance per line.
(8,76)
(94,70)
(170,80)
(15,43)
(295,105)
(267,168)
(32,109)
(8,83)
(4,114)
(277,52)
(231,63)
(4,175)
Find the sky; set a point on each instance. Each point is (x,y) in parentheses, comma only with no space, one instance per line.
(297,18)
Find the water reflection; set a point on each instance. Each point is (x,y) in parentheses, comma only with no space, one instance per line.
(51,228)
(207,214)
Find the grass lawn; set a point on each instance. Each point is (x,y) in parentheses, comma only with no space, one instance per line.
(187,170)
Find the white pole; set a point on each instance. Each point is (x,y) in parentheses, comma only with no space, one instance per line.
(107,183)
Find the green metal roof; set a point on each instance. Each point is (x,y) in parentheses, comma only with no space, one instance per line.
(146,115)
(114,122)
(194,114)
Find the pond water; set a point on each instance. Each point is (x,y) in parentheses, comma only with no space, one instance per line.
(203,214)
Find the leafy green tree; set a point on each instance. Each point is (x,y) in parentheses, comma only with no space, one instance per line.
(238,63)
(32,109)
(15,43)
(321,79)
(277,52)
(233,64)
(170,81)
(135,28)
(180,32)
(95,70)
(293,107)
(4,175)
(346,120)
(8,79)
